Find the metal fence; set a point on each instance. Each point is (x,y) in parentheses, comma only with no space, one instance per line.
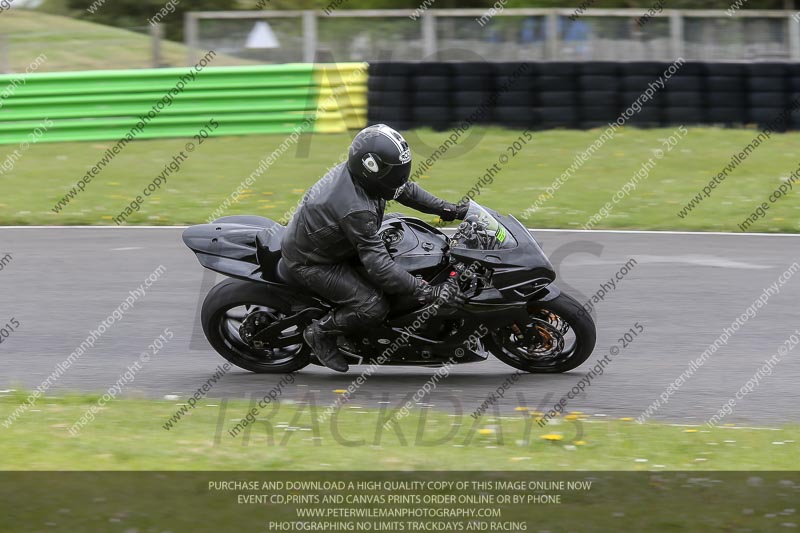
(510,35)
(258,37)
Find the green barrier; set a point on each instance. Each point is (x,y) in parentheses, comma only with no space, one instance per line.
(108,105)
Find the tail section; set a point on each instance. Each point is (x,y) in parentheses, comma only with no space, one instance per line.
(242,247)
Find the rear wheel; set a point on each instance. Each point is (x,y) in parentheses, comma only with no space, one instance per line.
(232,310)
(558,337)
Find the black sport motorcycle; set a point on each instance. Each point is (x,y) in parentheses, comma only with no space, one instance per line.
(513,310)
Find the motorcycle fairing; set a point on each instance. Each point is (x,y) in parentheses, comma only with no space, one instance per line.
(248,248)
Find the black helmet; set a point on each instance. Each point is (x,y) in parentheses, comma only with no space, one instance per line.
(379,158)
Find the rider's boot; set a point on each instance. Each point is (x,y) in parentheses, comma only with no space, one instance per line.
(321,336)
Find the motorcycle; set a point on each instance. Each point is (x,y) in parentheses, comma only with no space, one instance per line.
(513,310)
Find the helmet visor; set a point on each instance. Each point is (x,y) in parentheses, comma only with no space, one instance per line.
(392,185)
(389,178)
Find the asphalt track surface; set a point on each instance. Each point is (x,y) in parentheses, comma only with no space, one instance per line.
(62,282)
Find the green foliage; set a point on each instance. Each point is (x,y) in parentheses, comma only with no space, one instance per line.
(136,13)
(443,4)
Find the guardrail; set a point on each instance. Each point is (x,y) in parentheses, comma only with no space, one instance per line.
(106,105)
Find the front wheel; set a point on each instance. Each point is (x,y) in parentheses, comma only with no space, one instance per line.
(559,336)
(233,304)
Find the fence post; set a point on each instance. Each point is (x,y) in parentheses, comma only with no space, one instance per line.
(5,64)
(309,35)
(676,33)
(156,34)
(794,37)
(190,38)
(551,34)
(429,47)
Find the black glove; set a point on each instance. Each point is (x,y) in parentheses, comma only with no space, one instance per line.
(455,211)
(446,293)
(461,209)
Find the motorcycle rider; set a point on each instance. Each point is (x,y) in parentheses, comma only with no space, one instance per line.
(338,222)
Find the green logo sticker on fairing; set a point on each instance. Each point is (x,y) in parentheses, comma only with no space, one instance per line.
(501,234)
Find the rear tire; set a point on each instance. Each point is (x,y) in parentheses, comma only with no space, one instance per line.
(548,318)
(223,311)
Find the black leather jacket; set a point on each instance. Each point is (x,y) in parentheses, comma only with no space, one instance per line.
(338,221)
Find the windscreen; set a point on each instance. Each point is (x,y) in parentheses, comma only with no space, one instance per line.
(480,230)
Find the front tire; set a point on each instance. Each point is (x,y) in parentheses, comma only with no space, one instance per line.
(224,310)
(559,336)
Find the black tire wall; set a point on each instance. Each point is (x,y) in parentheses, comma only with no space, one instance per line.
(582,95)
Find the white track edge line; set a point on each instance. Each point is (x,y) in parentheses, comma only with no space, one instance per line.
(537,230)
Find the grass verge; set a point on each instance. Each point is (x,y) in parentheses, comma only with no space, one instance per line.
(70,44)
(46,171)
(130,435)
